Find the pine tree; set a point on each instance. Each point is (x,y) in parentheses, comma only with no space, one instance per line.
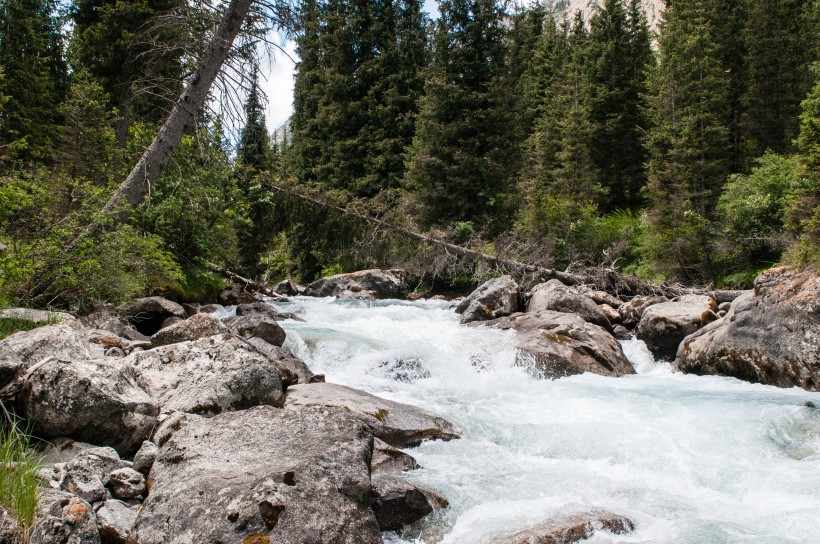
(689,142)
(35,77)
(254,149)
(459,165)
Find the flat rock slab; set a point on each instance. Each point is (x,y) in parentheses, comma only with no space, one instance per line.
(770,335)
(556,344)
(262,476)
(400,425)
(207,376)
(570,528)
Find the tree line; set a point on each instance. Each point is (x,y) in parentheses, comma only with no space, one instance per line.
(687,154)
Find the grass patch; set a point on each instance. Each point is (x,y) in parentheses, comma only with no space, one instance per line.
(19,464)
(11,325)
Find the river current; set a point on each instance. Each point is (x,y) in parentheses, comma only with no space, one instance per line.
(688,459)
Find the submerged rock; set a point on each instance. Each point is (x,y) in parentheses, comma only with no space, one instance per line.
(556,344)
(262,475)
(770,335)
(399,425)
(569,529)
(554,295)
(663,326)
(492,299)
(364,284)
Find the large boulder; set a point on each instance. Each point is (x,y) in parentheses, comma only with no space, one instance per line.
(207,376)
(257,326)
(96,401)
(10,365)
(115,519)
(492,299)
(75,523)
(399,425)
(195,327)
(262,308)
(262,475)
(147,314)
(554,295)
(663,326)
(108,319)
(22,349)
(292,369)
(557,344)
(770,335)
(364,284)
(632,311)
(566,529)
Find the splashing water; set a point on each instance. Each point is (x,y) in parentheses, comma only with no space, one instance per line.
(688,459)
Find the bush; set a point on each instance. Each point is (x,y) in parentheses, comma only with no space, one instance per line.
(19,465)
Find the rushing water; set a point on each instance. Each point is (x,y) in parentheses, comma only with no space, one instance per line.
(689,459)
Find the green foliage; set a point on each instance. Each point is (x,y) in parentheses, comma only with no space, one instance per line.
(11,325)
(19,484)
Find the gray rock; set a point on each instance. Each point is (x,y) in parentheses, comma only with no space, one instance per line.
(554,295)
(51,501)
(35,316)
(9,528)
(10,365)
(191,308)
(115,519)
(397,503)
(147,314)
(724,306)
(257,326)
(125,483)
(663,326)
(292,370)
(492,299)
(211,308)
(567,529)
(621,333)
(108,319)
(237,295)
(632,311)
(207,376)
(364,284)
(168,321)
(62,450)
(145,457)
(399,425)
(195,327)
(387,459)
(63,340)
(601,297)
(611,314)
(557,344)
(84,474)
(262,475)
(771,335)
(259,308)
(288,288)
(76,524)
(95,401)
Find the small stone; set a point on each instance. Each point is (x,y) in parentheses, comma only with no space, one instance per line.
(126,483)
(145,457)
(115,519)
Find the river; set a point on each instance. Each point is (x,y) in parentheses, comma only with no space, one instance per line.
(688,459)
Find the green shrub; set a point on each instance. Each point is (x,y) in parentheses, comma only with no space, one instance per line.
(19,465)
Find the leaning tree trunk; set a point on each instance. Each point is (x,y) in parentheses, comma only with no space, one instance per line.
(153,161)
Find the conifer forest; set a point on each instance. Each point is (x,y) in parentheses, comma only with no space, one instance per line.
(687,152)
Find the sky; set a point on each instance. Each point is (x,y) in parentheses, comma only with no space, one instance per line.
(277,79)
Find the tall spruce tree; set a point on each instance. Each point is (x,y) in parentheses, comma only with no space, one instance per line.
(35,77)
(689,143)
(460,159)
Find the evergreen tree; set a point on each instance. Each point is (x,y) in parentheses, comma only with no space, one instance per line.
(689,142)
(460,159)
(254,149)
(35,77)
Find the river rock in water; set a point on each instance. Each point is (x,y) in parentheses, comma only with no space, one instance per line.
(554,295)
(364,284)
(262,475)
(569,528)
(492,299)
(399,425)
(556,344)
(397,502)
(663,326)
(770,335)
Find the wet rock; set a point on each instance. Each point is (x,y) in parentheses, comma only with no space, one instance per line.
(770,335)
(287,287)
(397,503)
(108,319)
(296,369)
(147,314)
(399,425)
(193,328)
(387,459)
(262,475)
(211,308)
(125,483)
(663,326)
(257,326)
(84,474)
(554,295)
(570,528)
(404,369)
(364,284)
(95,401)
(621,333)
(115,519)
(632,311)
(207,376)
(145,457)
(492,299)
(557,344)
(76,524)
